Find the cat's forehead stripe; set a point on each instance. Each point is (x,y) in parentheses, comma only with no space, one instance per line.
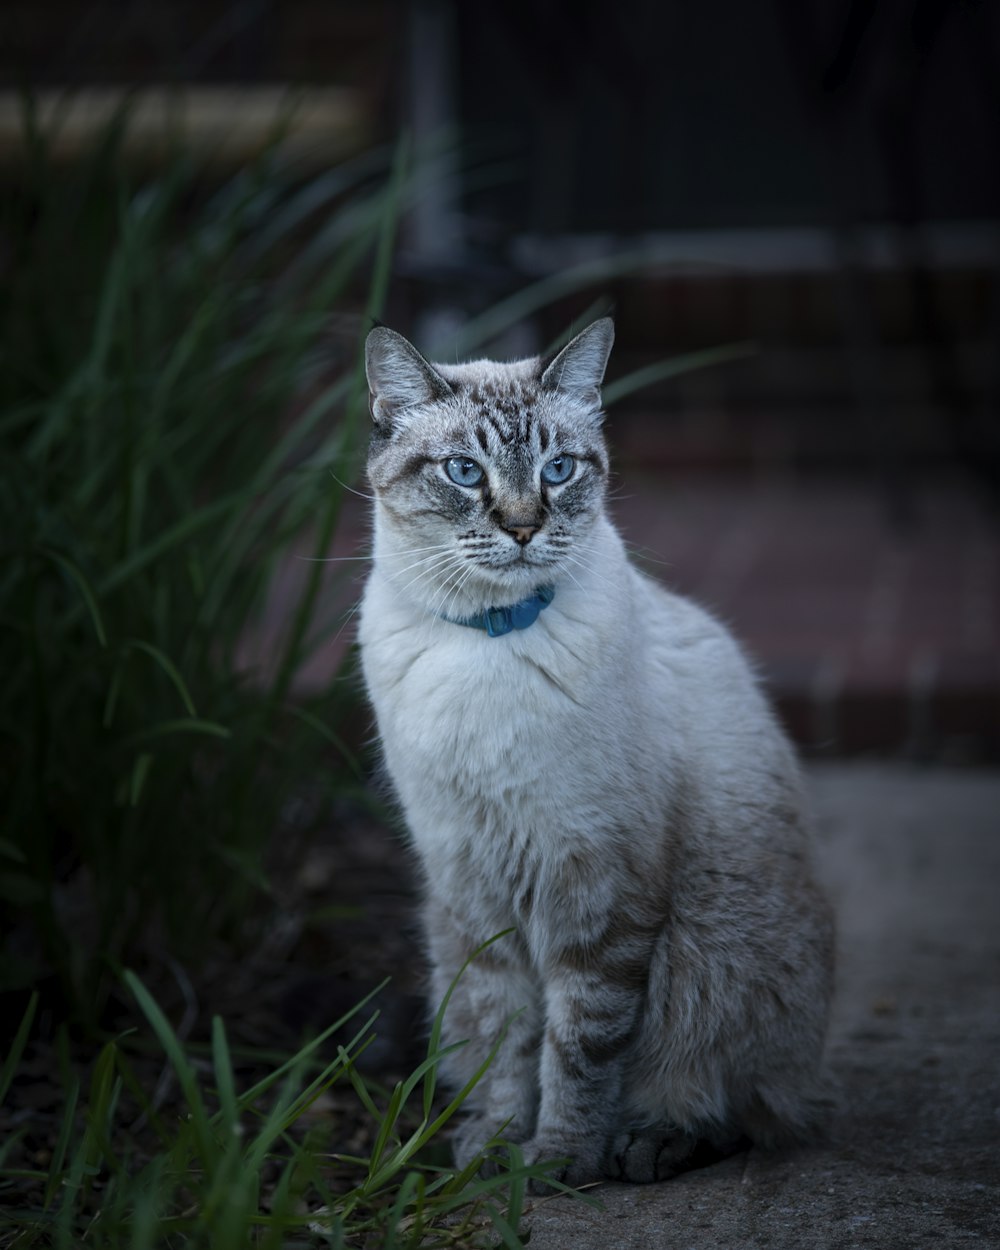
(505,430)
(508,410)
(505,412)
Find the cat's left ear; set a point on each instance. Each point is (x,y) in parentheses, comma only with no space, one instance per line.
(578,370)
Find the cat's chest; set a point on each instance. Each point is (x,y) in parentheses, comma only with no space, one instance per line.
(480,732)
(458,700)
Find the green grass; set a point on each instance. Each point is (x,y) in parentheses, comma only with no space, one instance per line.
(225,1168)
(176,414)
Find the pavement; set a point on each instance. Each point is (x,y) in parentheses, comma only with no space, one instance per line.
(912,860)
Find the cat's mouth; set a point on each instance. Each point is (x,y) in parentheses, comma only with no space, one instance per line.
(516,566)
(523,558)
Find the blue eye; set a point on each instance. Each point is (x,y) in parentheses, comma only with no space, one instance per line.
(558,470)
(463,471)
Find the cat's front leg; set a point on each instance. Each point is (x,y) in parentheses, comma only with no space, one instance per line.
(504,1001)
(594,995)
(494,1002)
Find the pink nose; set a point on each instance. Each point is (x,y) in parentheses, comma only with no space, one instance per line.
(522,533)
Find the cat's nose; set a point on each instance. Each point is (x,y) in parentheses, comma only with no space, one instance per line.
(522,533)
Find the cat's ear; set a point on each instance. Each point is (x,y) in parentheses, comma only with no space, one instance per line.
(398,377)
(579,368)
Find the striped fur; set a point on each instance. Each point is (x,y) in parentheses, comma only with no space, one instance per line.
(609,785)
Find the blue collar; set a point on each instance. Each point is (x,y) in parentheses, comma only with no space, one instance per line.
(500,621)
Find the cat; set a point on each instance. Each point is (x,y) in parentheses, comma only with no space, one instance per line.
(586,760)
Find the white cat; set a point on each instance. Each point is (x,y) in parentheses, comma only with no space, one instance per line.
(586,759)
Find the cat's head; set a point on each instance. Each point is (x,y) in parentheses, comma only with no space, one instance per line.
(489,474)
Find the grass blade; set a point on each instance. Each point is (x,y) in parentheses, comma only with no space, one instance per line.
(183,529)
(13,1056)
(66,1127)
(137,780)
(310,1047)
(182,724)
(228,1108)
(687,363)
(89,598)
(168,666)
(516,1192)
(434,1041)
(506,1228)
(185,1073)
(105,1087)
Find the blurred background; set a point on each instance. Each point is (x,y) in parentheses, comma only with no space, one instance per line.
(816,184)
(794,210)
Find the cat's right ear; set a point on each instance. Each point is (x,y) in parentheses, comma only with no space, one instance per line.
(399,378)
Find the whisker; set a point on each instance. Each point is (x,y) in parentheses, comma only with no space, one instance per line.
(643,553)
(412,551)
(332,559)
(590,571)
(469,572)
(450,588)
(592,549)
(430,561)
(461,585)
(360,494)
(438,563)
(385,555)
(349,616)
(573,578)
(444,569)
(356,607)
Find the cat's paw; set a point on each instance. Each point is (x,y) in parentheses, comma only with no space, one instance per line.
(574,1163)
(660,1152)
(471,1137)
(654,1154)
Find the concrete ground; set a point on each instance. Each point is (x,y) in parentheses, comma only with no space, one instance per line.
(912,858)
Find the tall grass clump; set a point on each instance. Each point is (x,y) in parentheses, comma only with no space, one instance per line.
(174,416)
